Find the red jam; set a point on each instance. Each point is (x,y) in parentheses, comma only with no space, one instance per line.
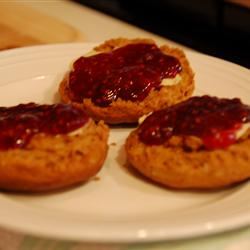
(19,123)
(212,119)
(129,73)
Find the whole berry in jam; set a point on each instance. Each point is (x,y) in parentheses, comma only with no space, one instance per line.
(20,123)
(129,73)
(214,120)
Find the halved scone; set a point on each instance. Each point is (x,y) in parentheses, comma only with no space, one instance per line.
(49,147)
(124,79)
(200,143)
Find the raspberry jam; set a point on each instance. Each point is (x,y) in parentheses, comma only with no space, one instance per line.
(19,123)
(212,119)
(129,73)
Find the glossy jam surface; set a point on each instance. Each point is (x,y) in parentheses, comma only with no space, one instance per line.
(19,123)
(129,73)
(212,119)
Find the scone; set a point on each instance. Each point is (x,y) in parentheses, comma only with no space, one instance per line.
(200,143)
(122,80)
(48,147)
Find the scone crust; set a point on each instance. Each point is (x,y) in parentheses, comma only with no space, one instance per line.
(53,162)
(122,111)
(205,169)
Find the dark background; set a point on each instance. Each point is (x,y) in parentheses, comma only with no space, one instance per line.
(215,27)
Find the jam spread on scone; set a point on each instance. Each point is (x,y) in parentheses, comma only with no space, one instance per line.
(215,121)
(128,72)
(19,123)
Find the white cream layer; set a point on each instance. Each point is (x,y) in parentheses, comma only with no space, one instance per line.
(80,130)
(242,130)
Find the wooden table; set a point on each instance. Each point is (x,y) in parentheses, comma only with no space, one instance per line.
(24,23)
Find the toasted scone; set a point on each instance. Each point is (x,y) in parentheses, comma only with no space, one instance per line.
(51,149)
(116,100)
(191,146)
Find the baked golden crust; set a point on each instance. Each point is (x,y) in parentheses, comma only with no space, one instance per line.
(122,111)
(173,166)
(53,162)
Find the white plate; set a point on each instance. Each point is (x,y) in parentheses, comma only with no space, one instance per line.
(120,207)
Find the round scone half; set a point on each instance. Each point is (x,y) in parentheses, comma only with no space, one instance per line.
(49,147)
(124,79)
(201,143)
